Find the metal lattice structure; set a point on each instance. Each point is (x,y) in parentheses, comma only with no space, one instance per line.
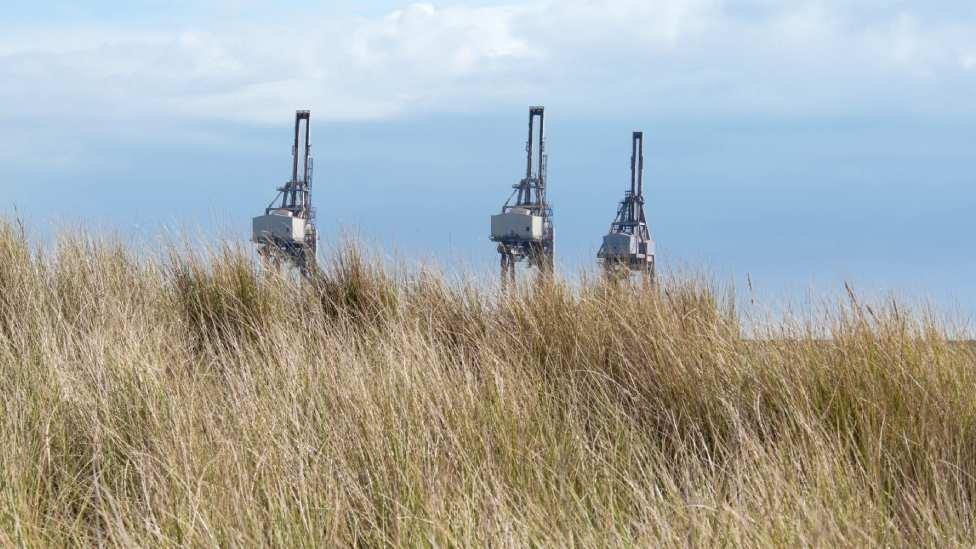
(286,231)
(628,245)
(523,229)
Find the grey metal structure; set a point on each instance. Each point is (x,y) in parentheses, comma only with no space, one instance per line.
(628,245)
(287,230)
(523,229)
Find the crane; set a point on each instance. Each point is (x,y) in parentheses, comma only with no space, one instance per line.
(523,229)
(287,230)
(628,245)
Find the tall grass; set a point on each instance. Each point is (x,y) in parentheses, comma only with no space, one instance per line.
(195,399)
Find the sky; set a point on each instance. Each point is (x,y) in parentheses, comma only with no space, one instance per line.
(795,144)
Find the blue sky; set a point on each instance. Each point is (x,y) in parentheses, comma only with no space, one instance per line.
(802,143)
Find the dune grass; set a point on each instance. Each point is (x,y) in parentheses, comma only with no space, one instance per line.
(195,399)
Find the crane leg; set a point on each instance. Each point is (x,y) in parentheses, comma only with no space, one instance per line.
(504,271)
(511,269)
(549,258)
(508,268)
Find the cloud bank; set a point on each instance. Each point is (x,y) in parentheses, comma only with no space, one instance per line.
(592,57)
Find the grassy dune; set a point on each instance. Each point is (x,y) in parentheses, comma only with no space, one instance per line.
(191,400)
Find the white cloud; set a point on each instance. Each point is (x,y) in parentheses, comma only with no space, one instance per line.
(453,40)
(591,56)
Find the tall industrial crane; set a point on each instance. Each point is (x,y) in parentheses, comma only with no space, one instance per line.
(523,229)
(287,230)
(628,245)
